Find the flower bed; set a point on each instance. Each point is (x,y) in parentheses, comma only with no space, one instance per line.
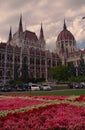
(17,103)
(81,98)
(59,117)
(45,113)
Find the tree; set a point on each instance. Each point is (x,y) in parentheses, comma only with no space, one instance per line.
(59,73)
(25,75)
(71,69)
(81,67)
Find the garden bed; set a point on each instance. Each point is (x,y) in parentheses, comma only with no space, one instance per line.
(22,112)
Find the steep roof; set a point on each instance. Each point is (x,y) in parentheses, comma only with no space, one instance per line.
(30,35)
(65,34)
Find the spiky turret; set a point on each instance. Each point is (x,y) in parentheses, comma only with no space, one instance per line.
(20,25)
(41,38)
(10,35)
(41,33)
(64,26)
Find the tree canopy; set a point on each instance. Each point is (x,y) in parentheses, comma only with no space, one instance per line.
(81,67)
(59,73)
(71,69)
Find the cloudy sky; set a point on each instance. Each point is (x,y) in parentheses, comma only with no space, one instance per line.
(50,12)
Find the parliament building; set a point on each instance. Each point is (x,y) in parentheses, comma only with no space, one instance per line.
(27,46)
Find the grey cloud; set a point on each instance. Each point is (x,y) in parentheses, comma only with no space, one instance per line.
(50,12)
(74,3)
(15,4)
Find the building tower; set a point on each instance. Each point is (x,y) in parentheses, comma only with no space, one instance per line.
(10,36)
(20,25)
(65,43)
(41,38)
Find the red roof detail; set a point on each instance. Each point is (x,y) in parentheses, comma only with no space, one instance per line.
(65,35)
(30,35)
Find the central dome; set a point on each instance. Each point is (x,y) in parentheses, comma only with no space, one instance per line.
(65,34)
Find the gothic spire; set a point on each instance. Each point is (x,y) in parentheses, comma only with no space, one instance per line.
(10,35)
(20,24)
(64,26)
(41,33)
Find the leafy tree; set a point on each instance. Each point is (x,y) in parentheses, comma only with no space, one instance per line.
(71,69)
(24,70)
(77,79)
(59,73)
(11,81)
(14,82)
(81,67)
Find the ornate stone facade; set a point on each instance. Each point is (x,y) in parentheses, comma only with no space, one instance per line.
(66,47)
(26,44)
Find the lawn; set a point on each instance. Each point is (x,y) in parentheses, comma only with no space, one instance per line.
(55,92)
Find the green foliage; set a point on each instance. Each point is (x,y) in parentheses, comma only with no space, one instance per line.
(18,81)
(65,92)
(71,69)
(33,80)
(11,81)
(59,73)
(77,79)
(81,67)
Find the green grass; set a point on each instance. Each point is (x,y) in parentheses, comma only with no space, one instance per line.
(56,92)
